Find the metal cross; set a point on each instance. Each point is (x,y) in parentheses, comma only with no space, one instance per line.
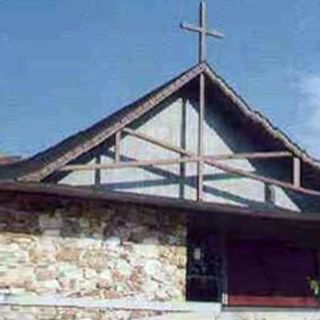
(203,31)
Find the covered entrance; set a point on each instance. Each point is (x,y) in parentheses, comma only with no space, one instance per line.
(266,272)
(252,261)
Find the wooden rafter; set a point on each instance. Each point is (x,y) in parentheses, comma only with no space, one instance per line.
(213,160)
(129,164)
(135,113)
(243,173)
(234,156)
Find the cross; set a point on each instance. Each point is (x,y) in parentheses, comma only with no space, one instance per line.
(203,31)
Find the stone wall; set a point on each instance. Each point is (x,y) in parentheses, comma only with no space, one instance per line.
(118,252)
(55,313)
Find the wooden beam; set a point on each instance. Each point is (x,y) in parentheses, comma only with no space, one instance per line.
(129,164)
(200,166)
(202,34)
(117,147)
(254,155)
(247,155)
(99,138)
(296,172)
(159,143)
(210,160)
(243,173)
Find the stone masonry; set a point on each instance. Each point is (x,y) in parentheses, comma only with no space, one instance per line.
(88,251)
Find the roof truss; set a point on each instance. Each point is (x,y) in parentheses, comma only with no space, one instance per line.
(211,160)
(205,74)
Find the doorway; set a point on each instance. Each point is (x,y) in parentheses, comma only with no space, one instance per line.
(265,272)
(203,265)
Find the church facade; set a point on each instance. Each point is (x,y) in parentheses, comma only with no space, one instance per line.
(185,204)
(110,222)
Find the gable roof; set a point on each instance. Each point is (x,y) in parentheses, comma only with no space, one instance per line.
(45,163)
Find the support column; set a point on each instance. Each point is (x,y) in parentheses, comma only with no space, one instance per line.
(200,137)
(117,147)
(224,268)
(296,172)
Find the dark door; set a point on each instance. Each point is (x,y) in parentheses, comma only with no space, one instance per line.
(269,273)
(203,267)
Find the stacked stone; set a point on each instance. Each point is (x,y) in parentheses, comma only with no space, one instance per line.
(54,313)
(115,253)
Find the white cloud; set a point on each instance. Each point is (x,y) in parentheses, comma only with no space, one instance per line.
(309,113)
(310,102)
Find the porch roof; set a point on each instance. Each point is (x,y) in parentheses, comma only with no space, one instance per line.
(233,220)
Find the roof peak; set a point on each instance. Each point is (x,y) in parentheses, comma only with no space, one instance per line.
(45,163)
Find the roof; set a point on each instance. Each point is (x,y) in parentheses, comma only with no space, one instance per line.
(64,192)
(4,160)
(234,220)
(44,163)
(40,166)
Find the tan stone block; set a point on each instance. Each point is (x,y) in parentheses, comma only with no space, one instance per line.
(96,260)
(146,251)
(69,271)
(47,287)
(68,255)
(124,268)
(166,253)
(45,274)
(40,257)
(89,273)
(16,278)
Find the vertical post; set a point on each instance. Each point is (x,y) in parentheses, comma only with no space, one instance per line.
(200,137)
(202,33)
(183,133)
(117,146)
(296,172)
(224,267)
(97,172)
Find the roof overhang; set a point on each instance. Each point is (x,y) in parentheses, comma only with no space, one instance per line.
(229,218)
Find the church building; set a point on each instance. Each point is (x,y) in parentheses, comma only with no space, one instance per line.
(185,204)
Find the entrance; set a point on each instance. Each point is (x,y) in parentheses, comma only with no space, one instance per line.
(204,265)
(270,273)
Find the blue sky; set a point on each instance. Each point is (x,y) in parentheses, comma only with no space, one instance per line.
(65,64)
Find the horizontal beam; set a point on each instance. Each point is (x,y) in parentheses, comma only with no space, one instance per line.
(254,155)
(191,27)
(247,155)
(243,173)
(129,164)
(210,160)
(146,163)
